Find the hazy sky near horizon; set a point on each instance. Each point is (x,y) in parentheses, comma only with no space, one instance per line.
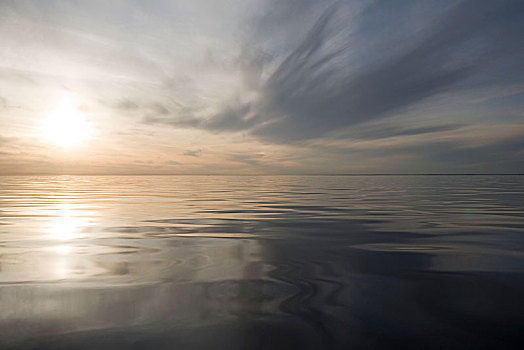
(265,86)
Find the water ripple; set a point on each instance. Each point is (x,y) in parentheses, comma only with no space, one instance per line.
(221,262)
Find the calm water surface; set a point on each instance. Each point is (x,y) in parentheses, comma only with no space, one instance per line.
(269,262)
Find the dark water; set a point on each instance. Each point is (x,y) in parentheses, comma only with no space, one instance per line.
(209,262)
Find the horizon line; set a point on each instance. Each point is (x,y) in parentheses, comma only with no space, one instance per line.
(226,174)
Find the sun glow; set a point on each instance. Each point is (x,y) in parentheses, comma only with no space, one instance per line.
(66,224)
(65,125)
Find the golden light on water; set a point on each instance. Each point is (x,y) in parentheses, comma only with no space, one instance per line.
(64,227)
(66,224)
(61,249)
(65,126)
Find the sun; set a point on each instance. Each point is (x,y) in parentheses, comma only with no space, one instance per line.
(65,126)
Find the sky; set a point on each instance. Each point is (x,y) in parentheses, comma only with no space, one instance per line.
(261,86)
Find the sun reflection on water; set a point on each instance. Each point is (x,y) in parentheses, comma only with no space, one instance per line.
(67,223)
(61,249)
(59,265)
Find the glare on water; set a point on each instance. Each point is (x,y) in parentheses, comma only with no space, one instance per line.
(188,260)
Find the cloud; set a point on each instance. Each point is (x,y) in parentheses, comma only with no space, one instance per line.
(500,156)
(314,90)
(127,105)
(486,149)
(3,103)
(159,109)
(318,86)
(193,153)
(308,98)
(383,130)
(10,141)
(254,159)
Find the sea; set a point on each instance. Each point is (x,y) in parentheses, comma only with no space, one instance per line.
(262,262)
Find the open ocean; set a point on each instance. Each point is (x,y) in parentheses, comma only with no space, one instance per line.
(261,262)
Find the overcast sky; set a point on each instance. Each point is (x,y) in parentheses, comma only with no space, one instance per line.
(265,86)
